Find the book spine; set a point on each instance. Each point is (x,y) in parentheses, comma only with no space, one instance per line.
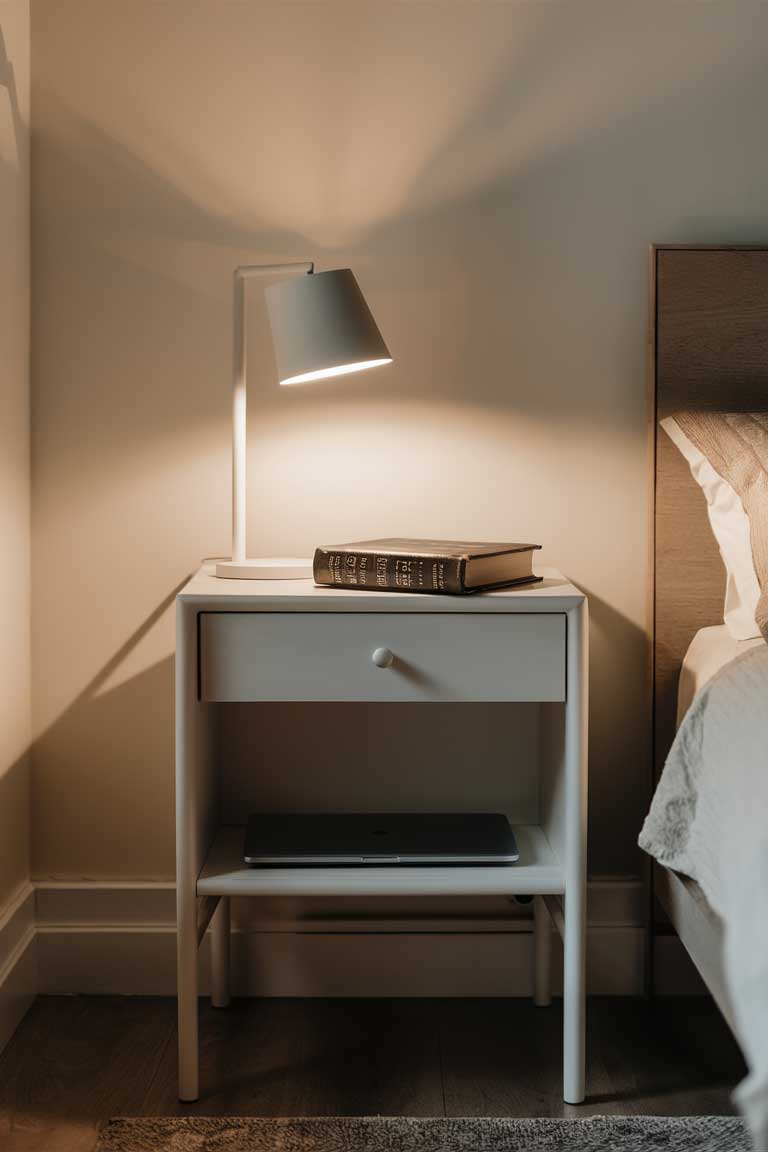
(384,572)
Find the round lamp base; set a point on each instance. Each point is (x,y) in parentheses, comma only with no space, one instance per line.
(268,569)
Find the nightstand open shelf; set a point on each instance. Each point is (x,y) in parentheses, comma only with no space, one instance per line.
(262,642)
(536,873)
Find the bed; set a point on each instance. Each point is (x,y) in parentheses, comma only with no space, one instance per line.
(710,650)
(708,352)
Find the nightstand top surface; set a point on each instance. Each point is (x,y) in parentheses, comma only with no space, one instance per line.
(553,594)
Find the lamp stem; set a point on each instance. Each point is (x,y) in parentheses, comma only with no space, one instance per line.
(239,440)
(239,404)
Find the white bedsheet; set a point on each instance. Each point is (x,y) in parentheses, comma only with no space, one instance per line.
(709,651)
(709,820)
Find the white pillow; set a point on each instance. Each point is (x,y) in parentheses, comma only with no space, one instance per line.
(730,526)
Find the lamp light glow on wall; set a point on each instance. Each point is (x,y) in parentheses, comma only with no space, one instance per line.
(321,327)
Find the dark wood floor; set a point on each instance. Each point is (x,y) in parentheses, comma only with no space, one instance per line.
(76,1061)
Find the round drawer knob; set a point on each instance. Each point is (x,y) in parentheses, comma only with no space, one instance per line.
(383,658)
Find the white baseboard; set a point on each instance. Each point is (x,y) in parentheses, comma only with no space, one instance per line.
(142,961)
(120,938)
(18,961)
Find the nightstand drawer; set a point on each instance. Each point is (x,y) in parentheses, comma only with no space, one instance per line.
(381,656)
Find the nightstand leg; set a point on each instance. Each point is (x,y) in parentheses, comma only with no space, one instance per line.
(574,1006)
(187,1001)
(574,951)
(542,954)
(191,740)
(220,929)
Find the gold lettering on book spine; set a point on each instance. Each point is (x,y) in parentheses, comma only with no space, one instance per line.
(350,568)
(381,571)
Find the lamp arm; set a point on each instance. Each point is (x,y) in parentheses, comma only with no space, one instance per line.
(239,403)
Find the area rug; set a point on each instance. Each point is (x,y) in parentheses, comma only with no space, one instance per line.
(380,1134)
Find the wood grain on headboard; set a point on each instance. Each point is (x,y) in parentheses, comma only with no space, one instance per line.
(709,332)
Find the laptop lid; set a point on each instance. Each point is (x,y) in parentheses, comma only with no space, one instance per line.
(326,838)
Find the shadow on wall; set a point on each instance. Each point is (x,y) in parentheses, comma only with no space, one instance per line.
(14,479)
(114,745)
(12,141)
(14,827)
(496,202)
(8,81)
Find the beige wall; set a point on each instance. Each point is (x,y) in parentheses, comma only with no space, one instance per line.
(14,447)
(494,172)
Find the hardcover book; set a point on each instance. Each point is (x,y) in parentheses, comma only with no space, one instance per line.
(454,567)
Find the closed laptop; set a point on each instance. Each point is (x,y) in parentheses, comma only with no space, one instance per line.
(379,838)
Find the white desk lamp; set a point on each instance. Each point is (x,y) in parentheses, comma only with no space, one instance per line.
(321,327)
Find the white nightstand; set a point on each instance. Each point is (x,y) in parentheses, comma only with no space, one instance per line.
(269,641)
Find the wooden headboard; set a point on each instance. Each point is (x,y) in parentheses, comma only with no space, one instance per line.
(709,349)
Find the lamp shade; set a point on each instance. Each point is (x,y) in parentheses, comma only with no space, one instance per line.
(322,326)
